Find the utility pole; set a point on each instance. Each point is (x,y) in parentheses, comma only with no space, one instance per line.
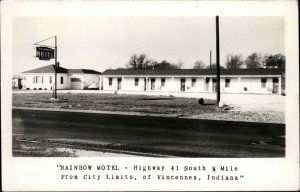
(218,59)
(55,69)
(210,59)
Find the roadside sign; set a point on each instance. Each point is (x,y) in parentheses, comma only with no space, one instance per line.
(44,53)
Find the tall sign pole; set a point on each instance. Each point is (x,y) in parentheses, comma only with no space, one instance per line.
(210,59)
(218,59)
(55,69)
(46,53)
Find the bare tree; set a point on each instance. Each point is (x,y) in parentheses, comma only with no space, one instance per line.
(199,65)
(254,61)
(139,62)
(234,61)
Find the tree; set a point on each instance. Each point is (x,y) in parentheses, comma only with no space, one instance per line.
(214,66)
(139,62)
(179,65)
(254,61)
(275,61)
(234,61)
(199,65)
(165,65)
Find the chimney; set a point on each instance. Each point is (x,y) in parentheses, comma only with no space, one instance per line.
(57,64)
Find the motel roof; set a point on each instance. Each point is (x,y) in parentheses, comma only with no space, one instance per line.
(191,72)
(47,69)
(87,71)
(50,69)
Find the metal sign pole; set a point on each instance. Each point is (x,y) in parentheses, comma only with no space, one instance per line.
(55,69)
(218,59)
(210,59)
(44,52)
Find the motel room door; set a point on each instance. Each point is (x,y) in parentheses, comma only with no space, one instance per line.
(275,85)
(152,83)
(214,85)
(182,84)
(119,83)
(145,84)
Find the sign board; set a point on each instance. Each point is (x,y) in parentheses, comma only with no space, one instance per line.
(44,53)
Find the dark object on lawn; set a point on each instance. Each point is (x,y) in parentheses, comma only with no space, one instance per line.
(201,101)
(206,102)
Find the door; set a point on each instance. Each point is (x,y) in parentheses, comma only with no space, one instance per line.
(207,80)
(119,83)
(275,85)
(214,85)
(182,84)
(145,84)
(152,83)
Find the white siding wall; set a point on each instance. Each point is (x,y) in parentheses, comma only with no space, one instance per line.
(173,84)
(129,84)
(254,85)
(108,87)
(28,83)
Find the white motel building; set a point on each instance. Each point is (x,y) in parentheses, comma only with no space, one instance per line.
(147,81)
(43,78)
(253,81)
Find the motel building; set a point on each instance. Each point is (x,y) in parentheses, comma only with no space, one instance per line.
(140,81)
(43,78)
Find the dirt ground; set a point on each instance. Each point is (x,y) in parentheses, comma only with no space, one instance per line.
(160,105)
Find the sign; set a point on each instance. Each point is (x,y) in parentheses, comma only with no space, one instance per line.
(44,53)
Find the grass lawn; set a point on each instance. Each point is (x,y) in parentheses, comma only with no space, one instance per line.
(160,105)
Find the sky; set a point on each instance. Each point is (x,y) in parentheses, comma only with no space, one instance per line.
(101,43)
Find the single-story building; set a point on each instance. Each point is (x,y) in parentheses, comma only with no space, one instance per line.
(17,82)
(43,78)
(258,81)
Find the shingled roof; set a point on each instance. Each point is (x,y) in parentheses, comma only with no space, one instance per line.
(86,71)
(191,72)
(47,69)
(50,69)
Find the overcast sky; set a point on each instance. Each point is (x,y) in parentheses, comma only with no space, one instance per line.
(100,43)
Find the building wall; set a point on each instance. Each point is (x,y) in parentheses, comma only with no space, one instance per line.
(44,81)
(235,84)
(253,85)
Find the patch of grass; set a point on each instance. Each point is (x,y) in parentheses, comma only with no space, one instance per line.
(160,105)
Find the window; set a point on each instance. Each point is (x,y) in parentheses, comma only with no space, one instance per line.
(136,81)
(38,79)
(110,81)
(227,82)
(163,82)
(61,80)
(42,79)
(193,82)
(263,83)
(50,79)
(75,80)
(34,79)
